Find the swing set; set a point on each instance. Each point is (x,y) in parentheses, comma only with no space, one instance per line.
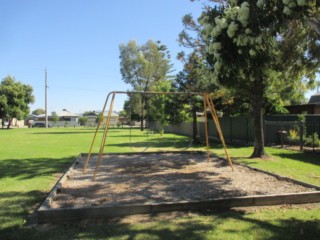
(207,105)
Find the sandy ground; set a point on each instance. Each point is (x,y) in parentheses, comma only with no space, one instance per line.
(163,177)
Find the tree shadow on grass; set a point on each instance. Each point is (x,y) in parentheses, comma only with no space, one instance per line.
(23,169)
(16,206)
(301,157)
(160,143)
(217,144)
(64,132)
(15,210)
(200,226)
(225,224)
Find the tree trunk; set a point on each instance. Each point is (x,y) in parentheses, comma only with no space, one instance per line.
(258,151)
(196,140)
(9,124)
(141,120)
(141,112)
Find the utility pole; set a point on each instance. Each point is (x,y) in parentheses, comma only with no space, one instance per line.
(46,98)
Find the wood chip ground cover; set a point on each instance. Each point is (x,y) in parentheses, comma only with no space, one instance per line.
(163,177)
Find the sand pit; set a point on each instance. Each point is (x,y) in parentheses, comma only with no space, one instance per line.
(148,178)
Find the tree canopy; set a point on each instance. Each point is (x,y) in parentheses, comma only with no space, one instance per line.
(38,111)
(15,98)
(262,49)
(143,66)
(158,104)
(83,120)
(231,103)
(194,77)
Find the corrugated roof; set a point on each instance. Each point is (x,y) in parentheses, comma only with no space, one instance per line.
(113,114)
(62,114)
(66,114)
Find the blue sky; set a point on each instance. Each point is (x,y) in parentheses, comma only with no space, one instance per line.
(77,41)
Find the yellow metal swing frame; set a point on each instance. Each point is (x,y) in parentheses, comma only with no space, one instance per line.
(207,104)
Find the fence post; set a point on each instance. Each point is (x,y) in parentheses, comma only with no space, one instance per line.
(313,131)
(231,130)
(281,136)
(217,133)
(264,125)
(301,135)
(247,130)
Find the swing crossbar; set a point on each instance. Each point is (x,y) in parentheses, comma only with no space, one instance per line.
(207,103)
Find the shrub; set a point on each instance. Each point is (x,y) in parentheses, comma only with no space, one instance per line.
(293,136)
(313,140)
(293,133)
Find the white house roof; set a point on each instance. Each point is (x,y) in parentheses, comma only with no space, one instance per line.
(63,113)
(96,113)
(113,114)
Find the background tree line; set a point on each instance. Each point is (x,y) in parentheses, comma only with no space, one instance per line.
(255,57)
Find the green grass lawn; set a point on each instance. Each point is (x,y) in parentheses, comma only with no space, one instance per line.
(301,166)
(31,160)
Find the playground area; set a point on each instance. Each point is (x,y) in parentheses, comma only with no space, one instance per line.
(127,184)
(121,184)
(36,168)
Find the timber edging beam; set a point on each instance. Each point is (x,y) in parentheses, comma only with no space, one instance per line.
(49,215)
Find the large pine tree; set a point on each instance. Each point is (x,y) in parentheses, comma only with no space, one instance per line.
(248,46)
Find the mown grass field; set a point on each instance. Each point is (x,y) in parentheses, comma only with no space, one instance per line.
(31,160)
(301,166)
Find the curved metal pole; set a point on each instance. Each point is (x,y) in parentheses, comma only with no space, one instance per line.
(216,121)
(95,134)
(104,136)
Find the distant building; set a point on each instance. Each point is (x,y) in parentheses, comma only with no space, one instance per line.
(13,123)
(30,120)
(66,118)
(92,118)
(312,107)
